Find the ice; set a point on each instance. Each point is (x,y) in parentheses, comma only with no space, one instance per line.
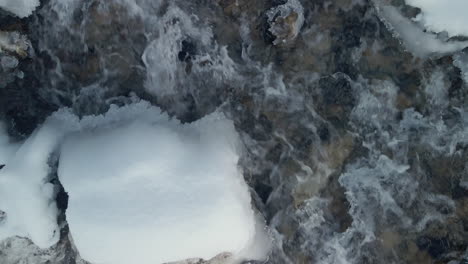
(443,16)
(21,8)
(145,189)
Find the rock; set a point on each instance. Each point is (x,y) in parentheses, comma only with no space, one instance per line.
(284,22)
(335,98)
(14,43)
(223,258)
(8,62)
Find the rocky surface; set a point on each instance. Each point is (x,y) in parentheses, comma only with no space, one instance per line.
(355,148)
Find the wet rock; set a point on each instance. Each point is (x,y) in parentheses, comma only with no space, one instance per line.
(222,258)
(187,52)
(434,246)
(336,98)
(339,205)
(263,191)
(23,107)
(324,133)
(8,62)
(445,172)
(14,47)
(14,43)
(284,22)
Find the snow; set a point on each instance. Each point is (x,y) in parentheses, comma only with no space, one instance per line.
(143,188)
(146,189)
(439,16)
(419,43)
(21,8)
(25,195)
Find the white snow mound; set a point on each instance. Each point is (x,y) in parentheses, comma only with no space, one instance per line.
(146,189)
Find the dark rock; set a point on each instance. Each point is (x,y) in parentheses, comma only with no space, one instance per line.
(336,98)
(324,133)
(263,191)
(187,52)
(434,246)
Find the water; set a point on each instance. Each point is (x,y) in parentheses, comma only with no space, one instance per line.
(355,148)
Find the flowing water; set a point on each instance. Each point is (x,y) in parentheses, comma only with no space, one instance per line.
(355,150)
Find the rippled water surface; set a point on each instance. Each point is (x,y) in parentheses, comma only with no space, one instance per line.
(356,148)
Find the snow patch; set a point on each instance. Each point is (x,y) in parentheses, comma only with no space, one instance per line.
(146,189)
(443,16)
(143,188)
(21,8)
(415,40)
(26,196)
